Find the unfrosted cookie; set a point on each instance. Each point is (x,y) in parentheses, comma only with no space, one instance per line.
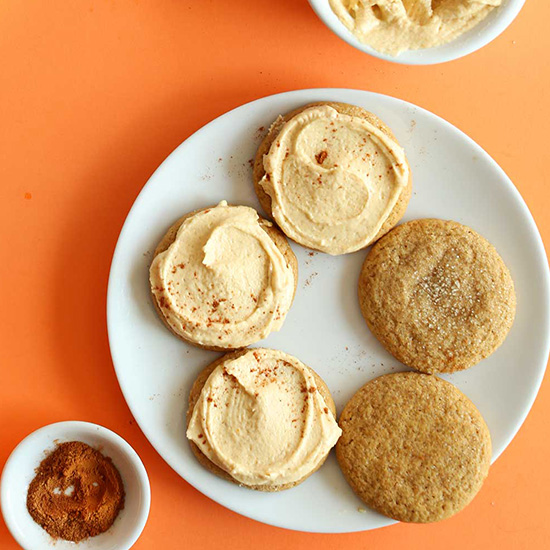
(333,177)
(437,295)
(413,447)
(262,419)
(223,278)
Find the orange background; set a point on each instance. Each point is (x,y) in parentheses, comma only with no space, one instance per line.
(94,95)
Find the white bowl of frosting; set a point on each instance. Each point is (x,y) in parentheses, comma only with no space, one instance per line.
(411,32)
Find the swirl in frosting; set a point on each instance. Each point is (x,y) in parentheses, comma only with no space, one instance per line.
(333,179)
(261,418)
(222,282)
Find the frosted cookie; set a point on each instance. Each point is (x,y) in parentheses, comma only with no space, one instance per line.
(413,447)
(262,419)
(437,295)
(223,278)
(333,177)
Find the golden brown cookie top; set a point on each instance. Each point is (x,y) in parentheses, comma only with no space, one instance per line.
(437,295)
(413,447)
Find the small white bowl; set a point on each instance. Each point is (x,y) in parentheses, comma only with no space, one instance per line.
(20,470)
(483,33)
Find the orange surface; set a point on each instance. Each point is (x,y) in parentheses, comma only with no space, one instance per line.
(94,95)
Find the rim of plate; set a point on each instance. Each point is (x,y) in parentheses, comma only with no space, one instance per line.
(474,39)
(542,261)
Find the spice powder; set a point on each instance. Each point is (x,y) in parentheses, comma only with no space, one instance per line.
(77,492)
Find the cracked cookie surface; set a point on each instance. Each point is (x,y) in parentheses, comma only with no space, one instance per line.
(437,295)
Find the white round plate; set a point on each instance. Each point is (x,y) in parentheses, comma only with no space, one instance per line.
(483,33)
(453,178)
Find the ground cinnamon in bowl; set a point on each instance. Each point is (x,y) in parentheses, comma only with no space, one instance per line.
(77,492)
